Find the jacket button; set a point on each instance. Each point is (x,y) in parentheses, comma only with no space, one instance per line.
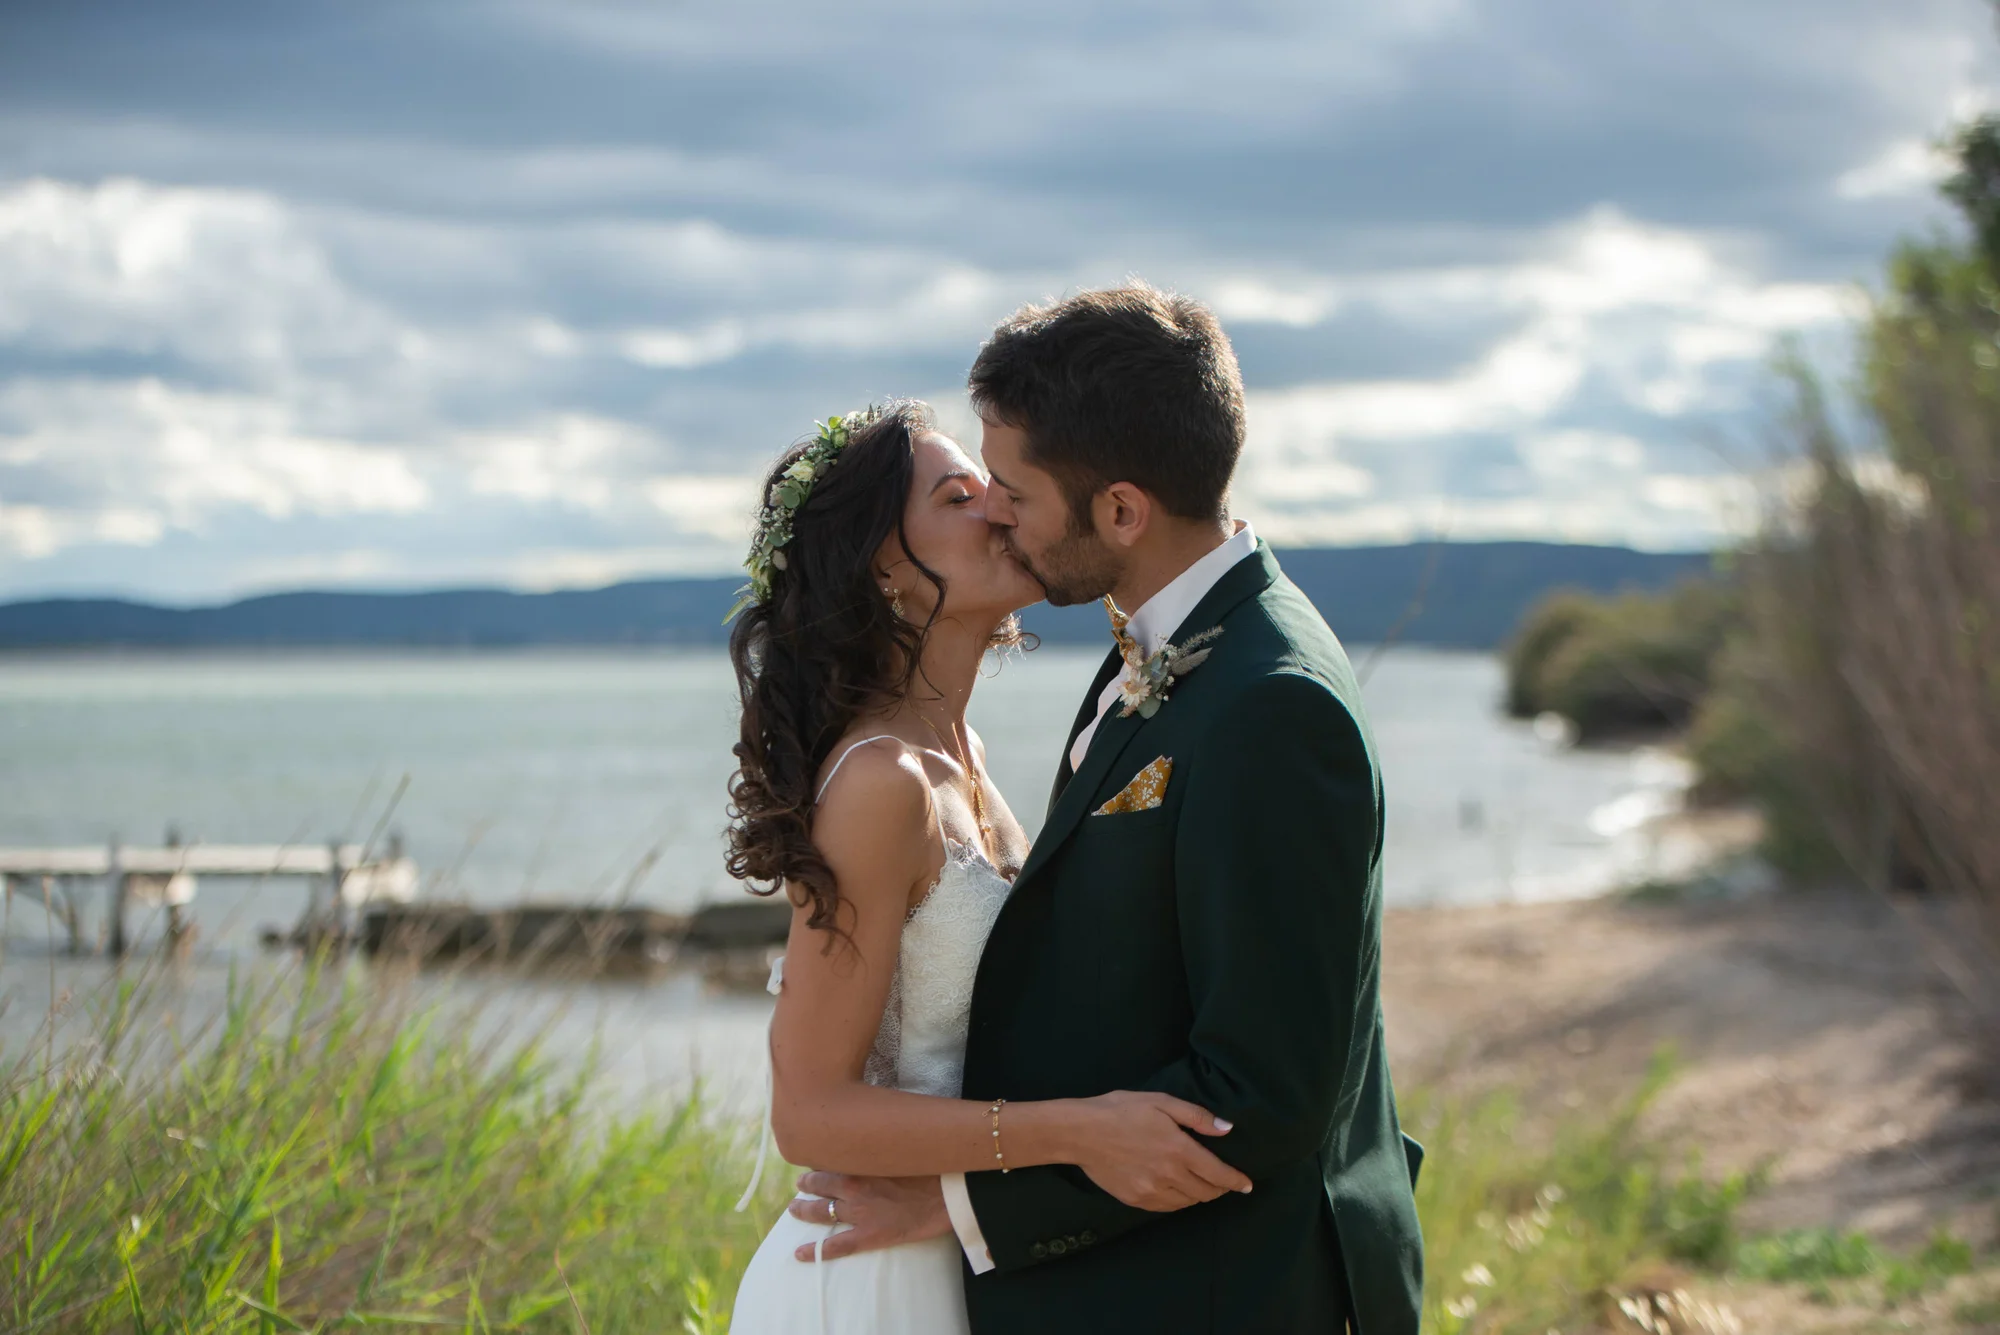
(1057,1247)
(1037,1252)
(1087,1238)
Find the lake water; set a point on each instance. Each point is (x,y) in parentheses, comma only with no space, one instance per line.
(591,775)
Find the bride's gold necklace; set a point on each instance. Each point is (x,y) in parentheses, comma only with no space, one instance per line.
(964,762)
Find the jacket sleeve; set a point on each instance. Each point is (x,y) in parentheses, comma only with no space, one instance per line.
(1276,840)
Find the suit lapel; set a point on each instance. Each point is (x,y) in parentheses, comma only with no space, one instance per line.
(1084,714)
(1246,579)
(1113,735)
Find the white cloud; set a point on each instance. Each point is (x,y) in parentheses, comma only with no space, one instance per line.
(1521,379)
(685,349)
(540,569)
(345,566)
(1649,305)
(1297,300)
(575,460)
(1652,314)
(1564,455)
(35,531)
(1662,518)
(337,400)
(721,508)
(911,306)
(1907,167)
(225,279)
(133,458)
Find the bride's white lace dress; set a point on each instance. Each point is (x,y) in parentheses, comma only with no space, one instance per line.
(916,1289)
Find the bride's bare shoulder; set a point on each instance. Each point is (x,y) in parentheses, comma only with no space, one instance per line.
(861,750)
(874,821)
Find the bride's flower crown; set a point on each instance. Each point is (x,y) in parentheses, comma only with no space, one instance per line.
(787,494)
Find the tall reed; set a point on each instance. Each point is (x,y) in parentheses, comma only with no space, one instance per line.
(1873,601)
(323,1159)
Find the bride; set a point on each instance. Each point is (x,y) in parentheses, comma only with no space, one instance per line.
(876,589)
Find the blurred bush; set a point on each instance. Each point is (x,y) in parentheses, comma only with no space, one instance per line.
(1633,663)
(1745,752)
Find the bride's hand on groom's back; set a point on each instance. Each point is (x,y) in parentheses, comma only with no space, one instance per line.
(1140,1146)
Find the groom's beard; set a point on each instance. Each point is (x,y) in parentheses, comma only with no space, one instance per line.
(1075,569)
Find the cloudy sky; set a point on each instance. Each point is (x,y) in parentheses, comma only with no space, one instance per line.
(391,293)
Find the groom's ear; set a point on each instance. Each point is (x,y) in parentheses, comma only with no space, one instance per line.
(1123,513)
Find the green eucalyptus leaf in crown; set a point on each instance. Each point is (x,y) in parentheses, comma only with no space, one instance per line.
(787,494)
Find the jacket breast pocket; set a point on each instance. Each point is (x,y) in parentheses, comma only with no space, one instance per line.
(1140,842)
(1125,822)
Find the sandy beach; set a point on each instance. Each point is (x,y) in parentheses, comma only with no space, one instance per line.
(1811,1041)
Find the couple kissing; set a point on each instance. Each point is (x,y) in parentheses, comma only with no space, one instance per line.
(1131,1076)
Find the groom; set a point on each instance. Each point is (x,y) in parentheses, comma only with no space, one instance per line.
(1201,911)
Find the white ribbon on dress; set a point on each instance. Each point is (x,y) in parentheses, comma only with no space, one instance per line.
(774,986)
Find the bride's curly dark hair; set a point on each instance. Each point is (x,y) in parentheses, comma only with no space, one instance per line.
(825,646)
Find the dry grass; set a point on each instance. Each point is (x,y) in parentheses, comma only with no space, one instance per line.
(1874,612)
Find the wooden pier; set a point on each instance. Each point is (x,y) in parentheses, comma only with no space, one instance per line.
(366,899)
(343,877)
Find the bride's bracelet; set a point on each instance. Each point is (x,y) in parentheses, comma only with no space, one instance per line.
(994,1113)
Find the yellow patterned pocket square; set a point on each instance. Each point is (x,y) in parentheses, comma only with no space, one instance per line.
(1146,791)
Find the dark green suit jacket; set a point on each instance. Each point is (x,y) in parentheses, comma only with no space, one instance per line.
(1223,947)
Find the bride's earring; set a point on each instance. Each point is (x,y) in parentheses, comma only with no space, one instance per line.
(895,597)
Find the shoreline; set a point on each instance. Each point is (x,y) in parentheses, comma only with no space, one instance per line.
(1812,1043)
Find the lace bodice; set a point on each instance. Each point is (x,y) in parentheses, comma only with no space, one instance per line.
(921,1044)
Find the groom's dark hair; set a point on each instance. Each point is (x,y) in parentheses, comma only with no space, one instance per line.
(1123,384)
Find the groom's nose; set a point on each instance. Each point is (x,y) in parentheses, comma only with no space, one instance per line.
(999,508)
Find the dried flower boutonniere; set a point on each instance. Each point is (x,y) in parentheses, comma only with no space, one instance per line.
(1146,684)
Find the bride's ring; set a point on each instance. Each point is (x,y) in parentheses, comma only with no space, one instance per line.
(832,1214)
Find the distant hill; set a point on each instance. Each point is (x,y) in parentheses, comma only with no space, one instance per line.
(1475,596)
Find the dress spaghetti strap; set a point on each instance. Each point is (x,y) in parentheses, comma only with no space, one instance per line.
(878,737)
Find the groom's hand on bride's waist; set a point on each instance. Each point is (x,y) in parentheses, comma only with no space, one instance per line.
(880,1211)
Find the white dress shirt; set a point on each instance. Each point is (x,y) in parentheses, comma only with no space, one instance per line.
(1151,627)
